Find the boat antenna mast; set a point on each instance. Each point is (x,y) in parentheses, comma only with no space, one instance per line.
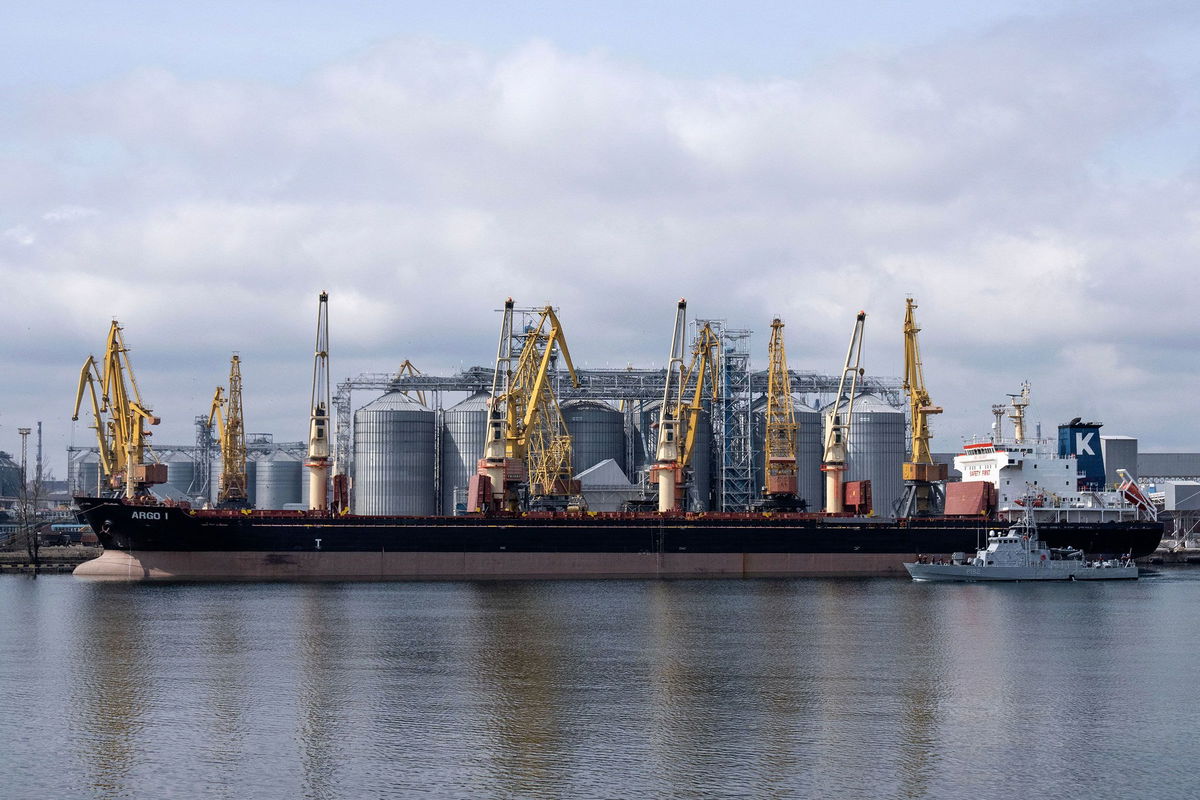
(1019,402)
(838,419)
(318,428)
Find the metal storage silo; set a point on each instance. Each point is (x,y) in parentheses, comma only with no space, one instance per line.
(701,490)
(10,476)
(181,471)
(810,448)
(464,429)
(277,480)
(597,433)
(876,451)
(393,457)
(87,475)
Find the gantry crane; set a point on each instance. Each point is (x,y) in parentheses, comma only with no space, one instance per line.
(682,403)
(924,481)
(120,418)
(779,451)
(226,413)
(527,454)
(838,420)
(318,428)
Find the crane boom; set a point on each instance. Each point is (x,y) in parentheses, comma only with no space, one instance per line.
(838,419)
(780,439)
(920,405)
(120,417)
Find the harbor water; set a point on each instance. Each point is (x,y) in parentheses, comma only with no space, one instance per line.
(878,688)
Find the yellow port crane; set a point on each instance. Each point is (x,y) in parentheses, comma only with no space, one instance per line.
(780,439)
(120,418)
(838,420)
(231,435)
(923,479)
(679,414)
(528,447)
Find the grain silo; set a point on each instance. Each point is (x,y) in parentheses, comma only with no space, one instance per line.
(181,471)
(464,430)
(10,477)
(876,450)
(393,457)
(277,480)
(700,491)
(810,448)
(86,478)
(597,434)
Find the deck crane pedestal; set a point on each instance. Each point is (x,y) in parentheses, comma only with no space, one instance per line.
(120,419)
(838,420)
(924,481)
(318,428)
(226,414)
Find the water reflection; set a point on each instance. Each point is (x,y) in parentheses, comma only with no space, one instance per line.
(112,678)
(518,662)
(319,688)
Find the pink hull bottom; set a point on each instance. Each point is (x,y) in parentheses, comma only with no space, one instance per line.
(165,565)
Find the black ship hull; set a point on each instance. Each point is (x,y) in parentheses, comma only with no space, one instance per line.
(170,543)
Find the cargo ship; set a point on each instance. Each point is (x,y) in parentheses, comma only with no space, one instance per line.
(1001,481)
(158,542)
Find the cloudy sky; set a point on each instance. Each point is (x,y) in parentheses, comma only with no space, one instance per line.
(200,172)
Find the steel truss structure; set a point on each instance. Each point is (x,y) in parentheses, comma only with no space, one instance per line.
(633,390)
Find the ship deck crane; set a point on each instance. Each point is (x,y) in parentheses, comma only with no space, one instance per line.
(838,420)
(780,433)
(318,428)
(120,418)
(682,404)
(667,468)
(924,481)
(527,454)
(231,436)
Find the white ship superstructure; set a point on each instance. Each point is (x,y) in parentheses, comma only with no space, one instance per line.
(1032,472)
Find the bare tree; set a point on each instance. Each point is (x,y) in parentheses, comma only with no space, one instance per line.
(27,506)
